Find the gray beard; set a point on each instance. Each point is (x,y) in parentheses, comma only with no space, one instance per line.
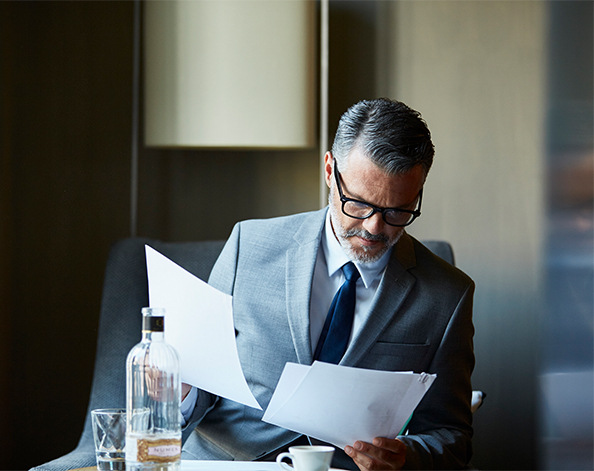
(343,238)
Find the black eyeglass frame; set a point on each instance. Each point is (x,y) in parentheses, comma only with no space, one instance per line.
(375,209)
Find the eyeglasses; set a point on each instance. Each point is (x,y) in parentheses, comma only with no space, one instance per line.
(362,210)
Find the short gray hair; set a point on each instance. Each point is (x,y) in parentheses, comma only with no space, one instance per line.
(391,134)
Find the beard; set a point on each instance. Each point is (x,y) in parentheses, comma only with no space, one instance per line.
(361,254)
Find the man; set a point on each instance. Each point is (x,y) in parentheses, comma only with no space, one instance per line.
(412,310)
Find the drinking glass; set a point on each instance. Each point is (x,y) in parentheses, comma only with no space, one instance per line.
(109,432)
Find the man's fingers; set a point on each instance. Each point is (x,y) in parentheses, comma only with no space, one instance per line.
(394,445)
(383,454)
(363,461)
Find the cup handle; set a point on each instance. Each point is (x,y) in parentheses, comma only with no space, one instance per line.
(279,460)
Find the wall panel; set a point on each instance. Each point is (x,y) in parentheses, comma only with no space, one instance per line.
(477,73)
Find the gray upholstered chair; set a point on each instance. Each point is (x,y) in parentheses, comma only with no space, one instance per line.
(125,293)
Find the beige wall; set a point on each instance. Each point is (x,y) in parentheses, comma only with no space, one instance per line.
(477,73)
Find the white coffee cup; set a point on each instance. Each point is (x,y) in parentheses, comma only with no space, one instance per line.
(307,458)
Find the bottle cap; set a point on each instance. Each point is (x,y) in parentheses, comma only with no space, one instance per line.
(153,324)
(152,319)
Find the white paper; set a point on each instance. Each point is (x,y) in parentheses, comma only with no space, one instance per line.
(199,325)
(201,465)
(340,405)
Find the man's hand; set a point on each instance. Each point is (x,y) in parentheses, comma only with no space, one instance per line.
(384,454)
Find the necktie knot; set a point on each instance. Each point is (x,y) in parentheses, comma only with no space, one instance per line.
(350,271)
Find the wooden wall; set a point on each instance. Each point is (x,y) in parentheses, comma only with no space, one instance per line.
(66,101)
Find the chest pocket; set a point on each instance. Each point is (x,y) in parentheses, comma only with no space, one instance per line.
(392,356)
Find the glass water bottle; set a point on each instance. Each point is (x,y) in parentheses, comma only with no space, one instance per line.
(153,396)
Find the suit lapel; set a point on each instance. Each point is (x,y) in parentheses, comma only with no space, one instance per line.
(394,287)
(300,262)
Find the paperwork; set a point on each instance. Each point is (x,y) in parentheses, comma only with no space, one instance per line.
(199,325)
(340,405)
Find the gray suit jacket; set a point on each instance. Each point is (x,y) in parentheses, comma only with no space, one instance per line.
(421,321)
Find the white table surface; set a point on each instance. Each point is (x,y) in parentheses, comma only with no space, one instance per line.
(196,465)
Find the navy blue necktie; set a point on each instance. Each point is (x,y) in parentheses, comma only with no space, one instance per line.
(335,335)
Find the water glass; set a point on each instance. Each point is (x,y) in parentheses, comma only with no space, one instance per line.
(109,432)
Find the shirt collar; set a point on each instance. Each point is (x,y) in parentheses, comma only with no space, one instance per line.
(336,257)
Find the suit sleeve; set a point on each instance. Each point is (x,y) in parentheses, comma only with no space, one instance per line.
(440,431)
(221,277)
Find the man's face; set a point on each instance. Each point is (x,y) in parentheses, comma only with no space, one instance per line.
(366,240)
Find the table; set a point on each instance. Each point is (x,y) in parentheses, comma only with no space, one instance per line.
(195,465)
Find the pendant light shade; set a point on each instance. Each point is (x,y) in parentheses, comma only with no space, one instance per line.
(229,73)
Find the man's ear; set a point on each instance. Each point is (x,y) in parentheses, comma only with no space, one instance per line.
(328,167)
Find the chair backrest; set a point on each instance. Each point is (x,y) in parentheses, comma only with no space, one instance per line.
(125,293)
(442,249)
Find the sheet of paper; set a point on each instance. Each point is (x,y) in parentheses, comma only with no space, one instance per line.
(199,324)
(340,405)
(202,465)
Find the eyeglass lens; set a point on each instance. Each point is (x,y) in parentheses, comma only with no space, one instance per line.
(361,211)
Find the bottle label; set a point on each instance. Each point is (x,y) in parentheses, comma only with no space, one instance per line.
(164,450)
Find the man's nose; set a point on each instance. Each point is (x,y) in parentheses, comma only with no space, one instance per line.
(374,224)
